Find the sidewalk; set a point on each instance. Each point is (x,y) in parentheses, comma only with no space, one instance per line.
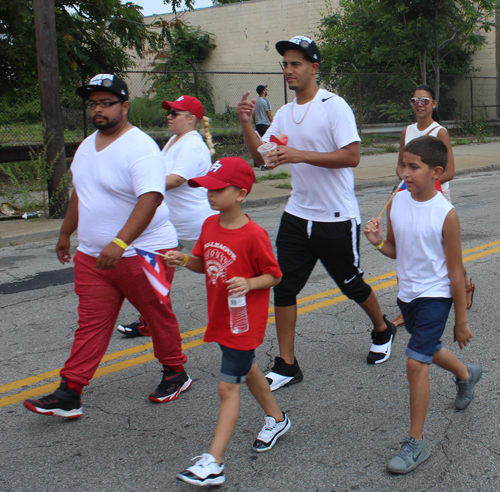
(373,171)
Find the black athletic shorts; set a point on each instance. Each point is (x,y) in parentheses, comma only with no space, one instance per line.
(301,243)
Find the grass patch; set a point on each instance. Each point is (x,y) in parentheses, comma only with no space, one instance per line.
(391,148)
(272,177)
(284,186)
(460,141)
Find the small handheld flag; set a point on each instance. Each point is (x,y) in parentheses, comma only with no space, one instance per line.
(393,194)
(155,272)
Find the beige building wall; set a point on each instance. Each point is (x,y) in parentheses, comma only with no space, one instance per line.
(245,35)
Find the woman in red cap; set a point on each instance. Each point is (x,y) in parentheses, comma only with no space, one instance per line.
(186,156)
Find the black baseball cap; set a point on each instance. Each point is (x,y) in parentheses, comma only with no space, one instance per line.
(260,88)
(300,43)
(104,82)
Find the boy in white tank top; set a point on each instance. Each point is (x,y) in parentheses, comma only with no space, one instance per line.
(423,235)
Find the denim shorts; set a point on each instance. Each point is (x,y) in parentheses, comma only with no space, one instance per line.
(425,320)
(235,364)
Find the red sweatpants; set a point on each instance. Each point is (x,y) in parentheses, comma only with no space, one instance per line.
(101,294)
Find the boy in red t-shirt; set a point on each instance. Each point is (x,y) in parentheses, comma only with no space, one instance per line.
(236,256)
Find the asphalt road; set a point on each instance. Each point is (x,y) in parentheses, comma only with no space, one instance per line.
(347,417)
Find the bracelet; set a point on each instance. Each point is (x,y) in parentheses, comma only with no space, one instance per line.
(381,245)
(120,243)
(185,260)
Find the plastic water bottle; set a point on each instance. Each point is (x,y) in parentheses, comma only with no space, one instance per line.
(31,215)
(238,313)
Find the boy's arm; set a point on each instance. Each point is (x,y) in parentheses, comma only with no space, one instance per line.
(239,286)
(453,254)
(193,263)
(374,233)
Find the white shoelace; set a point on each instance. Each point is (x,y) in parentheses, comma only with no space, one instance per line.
(269,429)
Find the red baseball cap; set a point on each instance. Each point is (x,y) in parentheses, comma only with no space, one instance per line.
(186,103)
(228,171)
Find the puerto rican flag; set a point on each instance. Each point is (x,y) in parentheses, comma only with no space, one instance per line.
(155,272)
(437,185)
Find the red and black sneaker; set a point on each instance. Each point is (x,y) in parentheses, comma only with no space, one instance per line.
(171,386)
(62,403)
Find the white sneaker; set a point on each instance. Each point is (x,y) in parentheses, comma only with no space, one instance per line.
(270,432)
(206,471)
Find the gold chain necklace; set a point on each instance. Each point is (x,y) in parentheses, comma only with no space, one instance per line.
(304,117)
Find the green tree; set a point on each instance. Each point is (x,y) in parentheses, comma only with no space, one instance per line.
(421,39)
(176,65)
(93,36)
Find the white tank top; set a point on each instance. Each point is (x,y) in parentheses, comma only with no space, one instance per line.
(420,259)
(412,132)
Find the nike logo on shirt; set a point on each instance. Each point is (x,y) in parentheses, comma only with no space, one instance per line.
(326,98)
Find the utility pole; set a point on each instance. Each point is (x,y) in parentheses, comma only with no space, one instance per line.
(50,103)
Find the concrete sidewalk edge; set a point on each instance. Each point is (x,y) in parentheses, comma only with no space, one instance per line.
(52,231)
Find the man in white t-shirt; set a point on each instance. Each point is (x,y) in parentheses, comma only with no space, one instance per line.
(321,220)
(119,181)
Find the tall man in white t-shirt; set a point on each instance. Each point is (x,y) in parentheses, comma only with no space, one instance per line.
(119,181)
(321,220)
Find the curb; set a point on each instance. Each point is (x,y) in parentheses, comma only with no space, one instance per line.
(259,202)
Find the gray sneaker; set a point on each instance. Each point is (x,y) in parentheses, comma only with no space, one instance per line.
(411,454)
(465,389)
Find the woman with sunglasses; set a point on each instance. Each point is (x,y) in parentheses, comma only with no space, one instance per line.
(185,156)
(424,105)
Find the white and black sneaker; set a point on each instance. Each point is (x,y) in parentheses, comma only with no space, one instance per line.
(283,374)
(270,432)
(132,330)
(206,471)
(380,350)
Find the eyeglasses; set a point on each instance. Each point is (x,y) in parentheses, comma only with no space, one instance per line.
(174,112)
(101,104)
(424,100)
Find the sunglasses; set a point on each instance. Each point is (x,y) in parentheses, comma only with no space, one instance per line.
(174,112)
(102,104)
(424,100)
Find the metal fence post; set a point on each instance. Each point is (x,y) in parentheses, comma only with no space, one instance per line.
(359,104)
(196,84)
(471,101)
(84,120)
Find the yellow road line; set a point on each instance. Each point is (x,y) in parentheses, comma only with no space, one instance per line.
(119,366)
(197,342)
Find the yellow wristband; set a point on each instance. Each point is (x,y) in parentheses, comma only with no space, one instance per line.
(380,246)
(120,243)
(185,260)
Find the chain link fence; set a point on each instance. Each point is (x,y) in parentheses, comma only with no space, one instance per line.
(375,99)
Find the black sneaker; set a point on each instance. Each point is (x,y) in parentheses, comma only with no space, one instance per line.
(283,374)
(132,330)
(62,403)
(380,350)
(171,386)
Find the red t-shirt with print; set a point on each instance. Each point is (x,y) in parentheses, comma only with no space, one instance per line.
(227,253)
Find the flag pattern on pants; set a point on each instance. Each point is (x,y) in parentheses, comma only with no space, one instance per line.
(155,272)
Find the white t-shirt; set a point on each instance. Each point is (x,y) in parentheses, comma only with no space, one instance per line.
(420,259)
(109,183)
(189,207)
(433,129)
(326,124)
